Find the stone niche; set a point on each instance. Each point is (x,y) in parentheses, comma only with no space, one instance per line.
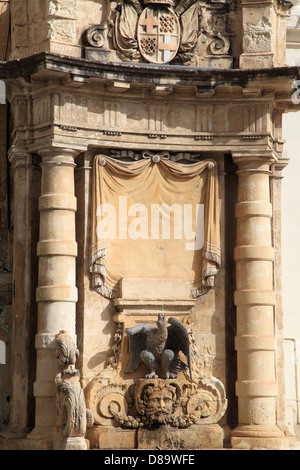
(132,410)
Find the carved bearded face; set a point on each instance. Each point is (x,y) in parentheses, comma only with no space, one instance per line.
(159,403)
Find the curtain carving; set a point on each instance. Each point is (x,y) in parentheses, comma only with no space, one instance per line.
(154,218)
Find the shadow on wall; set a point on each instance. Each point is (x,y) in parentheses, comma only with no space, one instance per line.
(4,28)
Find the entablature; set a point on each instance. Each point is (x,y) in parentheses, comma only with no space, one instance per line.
(63,99)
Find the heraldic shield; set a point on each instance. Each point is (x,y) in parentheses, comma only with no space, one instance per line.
(158,34)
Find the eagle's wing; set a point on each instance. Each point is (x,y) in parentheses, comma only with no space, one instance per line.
(137,343)
(178,340)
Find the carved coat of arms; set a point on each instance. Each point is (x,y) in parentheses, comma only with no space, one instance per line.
(158,33)
(156,30)
(164,31)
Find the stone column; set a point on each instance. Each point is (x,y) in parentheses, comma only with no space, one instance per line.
(255,342)
(56,293)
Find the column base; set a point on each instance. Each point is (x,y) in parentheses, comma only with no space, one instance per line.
(42,433)
(259,437)
(25,444)
(14,438)
(71,443)
(13,432)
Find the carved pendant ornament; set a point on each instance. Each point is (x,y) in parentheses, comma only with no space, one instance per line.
(163,31)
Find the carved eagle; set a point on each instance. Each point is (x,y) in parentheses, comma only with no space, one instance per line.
(159,345)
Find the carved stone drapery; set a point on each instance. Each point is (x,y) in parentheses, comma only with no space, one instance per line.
(117,184)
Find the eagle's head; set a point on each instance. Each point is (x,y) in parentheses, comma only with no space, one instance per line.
(161,320)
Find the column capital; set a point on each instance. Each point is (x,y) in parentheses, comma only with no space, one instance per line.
(279,166)
(19,157)
(254,159)
(58,155)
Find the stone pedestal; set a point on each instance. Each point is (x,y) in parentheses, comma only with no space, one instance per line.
(196,437)
(208,436)
(71,443)
(263,33)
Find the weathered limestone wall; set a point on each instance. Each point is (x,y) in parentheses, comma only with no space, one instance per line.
(43,25)
(105,114)
(96,312)
(234,34)
(264,31)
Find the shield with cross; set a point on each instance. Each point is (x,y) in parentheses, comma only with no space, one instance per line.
(158,34)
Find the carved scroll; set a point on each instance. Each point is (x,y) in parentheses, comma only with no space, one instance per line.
(149,402)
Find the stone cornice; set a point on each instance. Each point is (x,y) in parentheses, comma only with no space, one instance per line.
(80,71)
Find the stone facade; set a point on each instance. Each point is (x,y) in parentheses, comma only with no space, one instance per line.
(290,250)
(188,81)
